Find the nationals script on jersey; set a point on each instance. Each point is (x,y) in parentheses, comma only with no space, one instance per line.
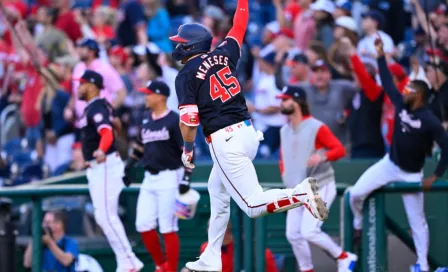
(209,82)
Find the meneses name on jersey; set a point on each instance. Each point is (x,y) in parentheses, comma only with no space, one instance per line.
(208,63)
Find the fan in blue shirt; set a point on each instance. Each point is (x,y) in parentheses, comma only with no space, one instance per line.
(60,251)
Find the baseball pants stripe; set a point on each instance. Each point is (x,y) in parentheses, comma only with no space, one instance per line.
(105,186)
(234,175)
(303,228)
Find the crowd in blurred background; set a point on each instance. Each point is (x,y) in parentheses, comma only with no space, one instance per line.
(325,46)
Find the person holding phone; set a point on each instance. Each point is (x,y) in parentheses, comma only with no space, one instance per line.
(60,251)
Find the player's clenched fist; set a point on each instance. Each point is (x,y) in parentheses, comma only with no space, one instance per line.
(187,158)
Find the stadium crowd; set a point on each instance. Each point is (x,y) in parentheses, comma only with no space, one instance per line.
(326,47)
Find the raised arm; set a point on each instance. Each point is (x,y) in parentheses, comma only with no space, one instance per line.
(368,85)
(386,77)
(240,21)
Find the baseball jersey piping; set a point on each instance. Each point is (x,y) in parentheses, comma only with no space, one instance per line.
(245,202)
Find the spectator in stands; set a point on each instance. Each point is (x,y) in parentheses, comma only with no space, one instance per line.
(329,98)
(437,73)
(304,26)
(60,251)
(266,107)
(131,24)
(102,24)
(52,40)
(159,25)
(374,91)
(364,119)
(119,59)
(227,255)
(299,70)
(114,91)
(343,8)
(57,133)
(438,36)
(213,18)
(372,22)
(322,13)
(65,20)
(344,27)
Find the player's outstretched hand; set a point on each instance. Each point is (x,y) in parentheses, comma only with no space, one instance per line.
(187,157)
(99,156)
(379,46)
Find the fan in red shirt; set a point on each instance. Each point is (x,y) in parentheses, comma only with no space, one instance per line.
(373,90)
(65,20)
(228,257)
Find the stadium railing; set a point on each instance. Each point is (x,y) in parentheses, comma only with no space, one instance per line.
(376,223)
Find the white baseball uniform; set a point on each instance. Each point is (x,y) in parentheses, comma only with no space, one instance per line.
(105,182)
(105,185)
(379,175)
(156,201)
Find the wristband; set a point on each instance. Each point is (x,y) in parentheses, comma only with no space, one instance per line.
(188,146)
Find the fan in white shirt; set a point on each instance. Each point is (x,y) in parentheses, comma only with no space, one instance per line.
(266,109)
(371,23)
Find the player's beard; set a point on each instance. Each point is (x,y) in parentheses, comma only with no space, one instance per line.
(82,96)
(287,111)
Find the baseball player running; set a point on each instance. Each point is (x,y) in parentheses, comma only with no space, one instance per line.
(209,93)
(415,130)
(307,147)
(160,152)
(105,169)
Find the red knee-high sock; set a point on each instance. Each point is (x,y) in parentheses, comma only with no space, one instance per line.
(172,249)
(152,244)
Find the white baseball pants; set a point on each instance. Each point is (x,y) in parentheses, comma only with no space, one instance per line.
(379,175)
(105,185)
(157,205)
(302,227)
(233,175)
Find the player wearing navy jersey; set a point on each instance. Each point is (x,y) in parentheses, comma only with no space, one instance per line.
(159,150)
(210,94)
(415,130)
(105,169)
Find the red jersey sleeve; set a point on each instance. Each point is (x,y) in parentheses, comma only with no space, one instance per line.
(326,139)
(369,86)
(107,138)
(240,21)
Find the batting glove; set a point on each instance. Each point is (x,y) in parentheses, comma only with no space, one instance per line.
(187,157)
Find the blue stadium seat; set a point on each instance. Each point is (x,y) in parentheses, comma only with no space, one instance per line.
(21,158)
(33,171)
(61,169)
(13,146)
(20,180)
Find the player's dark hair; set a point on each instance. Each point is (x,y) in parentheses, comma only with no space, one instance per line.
(60,216)
(422,87)
(304,108)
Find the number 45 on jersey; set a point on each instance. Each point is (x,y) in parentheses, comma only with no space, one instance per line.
(231,86)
